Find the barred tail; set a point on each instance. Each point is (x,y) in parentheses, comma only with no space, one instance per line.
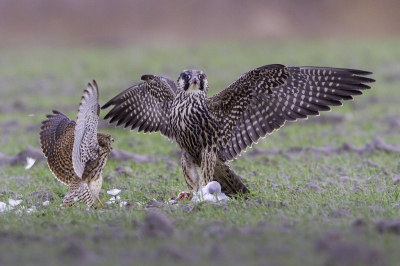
(231,183)
(78,191)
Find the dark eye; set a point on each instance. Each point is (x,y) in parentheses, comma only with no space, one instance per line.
(188,76)
(200,76)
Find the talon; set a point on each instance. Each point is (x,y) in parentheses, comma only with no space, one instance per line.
(102,205)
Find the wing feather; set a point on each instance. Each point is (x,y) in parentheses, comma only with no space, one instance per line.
(262,100)
(86,146)
(144,106)
(230,104)
(57,139)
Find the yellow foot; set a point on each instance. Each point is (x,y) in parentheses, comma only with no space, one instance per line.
(102,205)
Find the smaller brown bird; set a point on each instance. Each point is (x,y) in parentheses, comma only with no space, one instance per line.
(75,152)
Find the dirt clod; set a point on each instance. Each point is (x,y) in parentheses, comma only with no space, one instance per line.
(217,252)
(175,253)
(389,226)
(344,179)
(340,213)
(158,224)
(74,251)
(376,209)
(121,156)
(312,186)
(359,222)
(353,255)
(155,203)
(124,170)
(396,179)
(42,195)
(328,241)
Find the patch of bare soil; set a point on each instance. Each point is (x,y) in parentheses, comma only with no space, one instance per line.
(10,127)
(122,156)
(39,197)
(351,255)
(375,145)
(13,108)
(37,154)
(20,158)
(340,213)
(158,224)
(5,159)
(389,226)
(343,254)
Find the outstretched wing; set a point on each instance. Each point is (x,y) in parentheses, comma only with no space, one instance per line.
(269,104)
(229,104)
(57,140)
(86,145)
(144,106)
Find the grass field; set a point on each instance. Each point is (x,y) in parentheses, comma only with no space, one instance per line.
(312,202)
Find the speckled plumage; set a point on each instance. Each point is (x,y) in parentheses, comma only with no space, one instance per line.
(76,153)
(211,131)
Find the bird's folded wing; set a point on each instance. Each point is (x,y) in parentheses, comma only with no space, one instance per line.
(305,91)
(86,146)
(144,106)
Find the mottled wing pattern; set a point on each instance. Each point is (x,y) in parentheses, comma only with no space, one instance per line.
(230,104)
(57,139)
(144,106)
(308,90)
(86,145)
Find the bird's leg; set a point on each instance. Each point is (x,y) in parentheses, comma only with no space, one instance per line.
(101,203)
(190,172)
(208,160)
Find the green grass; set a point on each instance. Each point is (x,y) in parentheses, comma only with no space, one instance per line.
(242,233)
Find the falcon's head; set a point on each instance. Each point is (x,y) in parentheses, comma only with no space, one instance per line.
(105,140)
(193,81)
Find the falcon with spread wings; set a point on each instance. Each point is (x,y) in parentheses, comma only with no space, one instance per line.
(76,153)
(214,130)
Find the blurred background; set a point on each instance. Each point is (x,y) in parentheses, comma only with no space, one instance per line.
(50,50)
(159,23)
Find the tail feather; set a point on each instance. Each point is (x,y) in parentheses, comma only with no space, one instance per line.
(230,182)
(78,191)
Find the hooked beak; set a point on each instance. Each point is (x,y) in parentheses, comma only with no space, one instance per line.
(194,80)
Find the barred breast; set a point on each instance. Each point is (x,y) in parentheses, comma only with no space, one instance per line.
(192,125)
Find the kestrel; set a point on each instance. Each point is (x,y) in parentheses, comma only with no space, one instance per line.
(76,153)
(214,130)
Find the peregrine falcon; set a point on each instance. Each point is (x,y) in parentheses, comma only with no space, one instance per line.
(75,152)
(214,130)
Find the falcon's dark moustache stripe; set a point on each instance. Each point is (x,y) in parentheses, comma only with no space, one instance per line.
(201,84)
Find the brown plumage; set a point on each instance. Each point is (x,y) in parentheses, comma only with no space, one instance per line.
(75,152)
(211,131)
